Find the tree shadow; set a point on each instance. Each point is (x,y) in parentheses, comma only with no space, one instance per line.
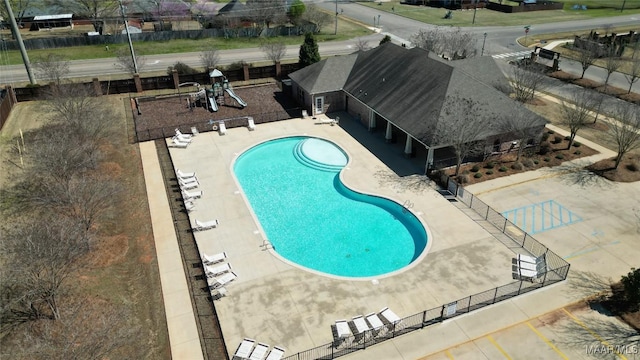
(576,173)
(592,333)
(588,284)
(415,183)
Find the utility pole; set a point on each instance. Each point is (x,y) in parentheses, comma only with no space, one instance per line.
(623,3)
(23,51)
(126,27)
(483,41)
(335,31)
(475,9)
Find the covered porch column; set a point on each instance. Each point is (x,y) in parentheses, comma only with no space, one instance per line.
(372,120)
(408,146)
(429,164)
(388,134)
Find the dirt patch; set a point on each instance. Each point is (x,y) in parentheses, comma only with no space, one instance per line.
(121,269)
(628,170)
(109,250)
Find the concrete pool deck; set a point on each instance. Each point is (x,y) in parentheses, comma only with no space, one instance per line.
(279,304)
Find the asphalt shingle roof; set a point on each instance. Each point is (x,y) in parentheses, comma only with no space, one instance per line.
(408,87)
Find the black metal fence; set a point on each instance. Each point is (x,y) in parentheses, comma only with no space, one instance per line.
(557,270)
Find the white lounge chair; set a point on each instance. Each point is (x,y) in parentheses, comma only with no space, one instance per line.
(250,124)
(222,130)
(276,353)
(213,259)
(375,323)
(391,318)
(190,182)
(183,136)
(222,280)
(218,293)
(244,349)
(181,139)
(259,352)
(189,206)
(184,175)
(178,144)
(188,185)
(205,225)
(190,195)
(361,327)
(342,327)
(213,271)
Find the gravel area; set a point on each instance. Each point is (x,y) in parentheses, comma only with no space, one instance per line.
(158,116)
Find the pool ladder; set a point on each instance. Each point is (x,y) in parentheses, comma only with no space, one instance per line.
(406,206)
(266,245)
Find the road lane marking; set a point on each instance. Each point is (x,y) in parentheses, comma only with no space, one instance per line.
(504,353)
(593,333)
(448,354)
(544,338)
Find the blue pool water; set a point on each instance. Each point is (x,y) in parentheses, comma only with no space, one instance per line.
(313,220)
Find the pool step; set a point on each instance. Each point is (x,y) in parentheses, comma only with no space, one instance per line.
(299,154)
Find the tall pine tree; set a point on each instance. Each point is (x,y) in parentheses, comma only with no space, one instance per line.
(309,53)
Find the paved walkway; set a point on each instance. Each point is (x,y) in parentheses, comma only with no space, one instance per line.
(183,333)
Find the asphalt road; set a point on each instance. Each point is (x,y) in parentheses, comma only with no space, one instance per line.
(499,40)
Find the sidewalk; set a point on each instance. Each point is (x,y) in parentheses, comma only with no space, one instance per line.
(183,332)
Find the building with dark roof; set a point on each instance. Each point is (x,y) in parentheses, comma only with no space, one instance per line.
(403,91)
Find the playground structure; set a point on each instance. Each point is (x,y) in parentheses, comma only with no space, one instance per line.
(220,88)
(214,97)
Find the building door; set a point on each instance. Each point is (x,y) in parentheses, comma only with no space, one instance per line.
(319,104)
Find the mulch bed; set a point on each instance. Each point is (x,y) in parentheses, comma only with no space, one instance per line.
(627,171)
(503,165)
(160,115)
(598,86)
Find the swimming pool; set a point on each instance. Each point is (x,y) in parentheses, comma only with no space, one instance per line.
(312,219)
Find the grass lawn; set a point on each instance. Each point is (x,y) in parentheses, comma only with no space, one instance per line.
(121,269)
(346,30)
(484,17)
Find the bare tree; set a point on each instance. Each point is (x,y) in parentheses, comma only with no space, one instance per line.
(124,61)
(41,254)
(96,10)
(634,72)
(89,329)
(520,127)
(460,44)
(266,11)
(274,50)
(526,79)
(464,125)
(209,59)
(576,114)
(52,67)
(452,43)
(314,15)
(18,8)
(587,55)
(427,40)
(625,130)
(362,44)
(611,63)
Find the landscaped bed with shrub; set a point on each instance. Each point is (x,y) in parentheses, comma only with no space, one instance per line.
(553,151)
